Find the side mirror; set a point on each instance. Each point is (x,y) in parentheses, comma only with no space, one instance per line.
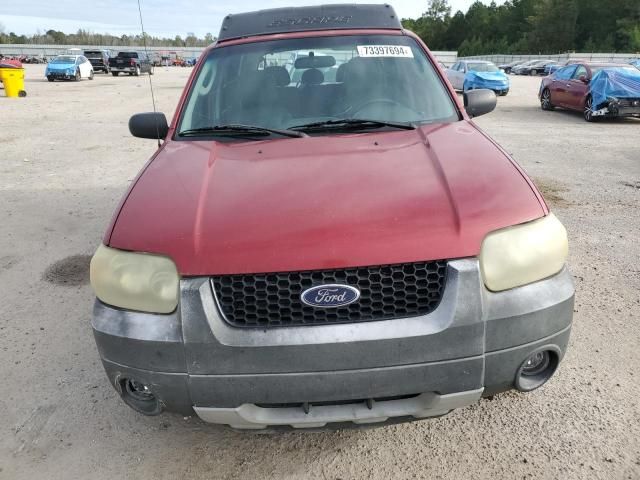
(478,102)
(583,79)
(151,125)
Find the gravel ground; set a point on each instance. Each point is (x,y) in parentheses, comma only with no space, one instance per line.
(67,157)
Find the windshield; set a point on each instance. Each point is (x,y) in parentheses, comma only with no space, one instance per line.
(64,59)
(483,67)
(293,82)
(93,54)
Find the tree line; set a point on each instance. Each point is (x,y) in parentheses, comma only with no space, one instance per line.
(531,27)
(513,27)
(85,37)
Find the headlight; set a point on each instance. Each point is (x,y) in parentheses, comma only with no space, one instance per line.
(523,254)
(135,281)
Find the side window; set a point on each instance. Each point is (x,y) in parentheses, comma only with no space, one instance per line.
(463,67)
(455,66)
(581,70)
(565,73)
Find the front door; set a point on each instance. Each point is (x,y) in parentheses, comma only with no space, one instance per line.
(577,90)
(561,84)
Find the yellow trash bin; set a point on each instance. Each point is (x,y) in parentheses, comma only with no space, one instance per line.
(13,81)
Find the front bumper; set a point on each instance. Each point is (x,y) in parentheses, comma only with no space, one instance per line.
(61,75)
(499,88)
(619,108)
(306,377)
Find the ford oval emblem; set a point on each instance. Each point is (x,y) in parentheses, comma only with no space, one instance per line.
(330,296)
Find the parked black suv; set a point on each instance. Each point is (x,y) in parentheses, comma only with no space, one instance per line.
(133,63)
(99,59)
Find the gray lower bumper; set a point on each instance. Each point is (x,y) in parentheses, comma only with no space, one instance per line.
(426,405)
(472,344)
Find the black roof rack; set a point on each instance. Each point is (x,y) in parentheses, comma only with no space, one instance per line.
(323,17)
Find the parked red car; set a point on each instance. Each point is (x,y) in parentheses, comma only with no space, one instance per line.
(572,87)
(346,248)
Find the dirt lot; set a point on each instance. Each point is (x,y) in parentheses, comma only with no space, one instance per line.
(66,158)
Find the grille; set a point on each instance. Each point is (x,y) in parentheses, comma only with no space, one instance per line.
(386,292)
(628,102)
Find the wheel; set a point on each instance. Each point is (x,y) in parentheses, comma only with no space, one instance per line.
(78,76)
(545,100)
(137,73)
(22,94)
(91,75)
(50,78)
(115,74)
(588,110)
(533,72)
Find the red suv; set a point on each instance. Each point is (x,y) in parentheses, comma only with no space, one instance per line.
(347,247)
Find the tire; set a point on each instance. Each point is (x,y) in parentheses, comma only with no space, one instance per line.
(78,77)
(545,100)
(533,72)
(115,74)
(587,112)
(137,72)
(91,75)
(51,79)
(22,94)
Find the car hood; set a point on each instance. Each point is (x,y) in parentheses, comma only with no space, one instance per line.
(323,202)
(491,76)
(60,66)
(614,83)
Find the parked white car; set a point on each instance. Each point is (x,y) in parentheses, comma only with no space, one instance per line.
(69,67)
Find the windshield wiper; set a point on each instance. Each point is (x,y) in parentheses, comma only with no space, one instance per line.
(238,129)
(353,123)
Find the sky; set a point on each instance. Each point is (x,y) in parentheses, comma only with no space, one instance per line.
(164,18)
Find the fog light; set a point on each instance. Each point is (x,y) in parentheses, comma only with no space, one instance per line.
(139,396)
(537,368)
(536,363)
(138,390)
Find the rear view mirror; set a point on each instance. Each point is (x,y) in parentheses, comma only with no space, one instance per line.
(478,102)
(151,125)
(315,61)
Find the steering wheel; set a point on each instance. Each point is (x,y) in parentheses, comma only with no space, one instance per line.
(381,101)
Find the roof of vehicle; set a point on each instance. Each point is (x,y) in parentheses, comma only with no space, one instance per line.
(299,19)
(605,64)
(478,61)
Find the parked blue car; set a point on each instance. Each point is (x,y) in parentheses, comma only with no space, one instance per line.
(468,75)
(635,63)
(69,67)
